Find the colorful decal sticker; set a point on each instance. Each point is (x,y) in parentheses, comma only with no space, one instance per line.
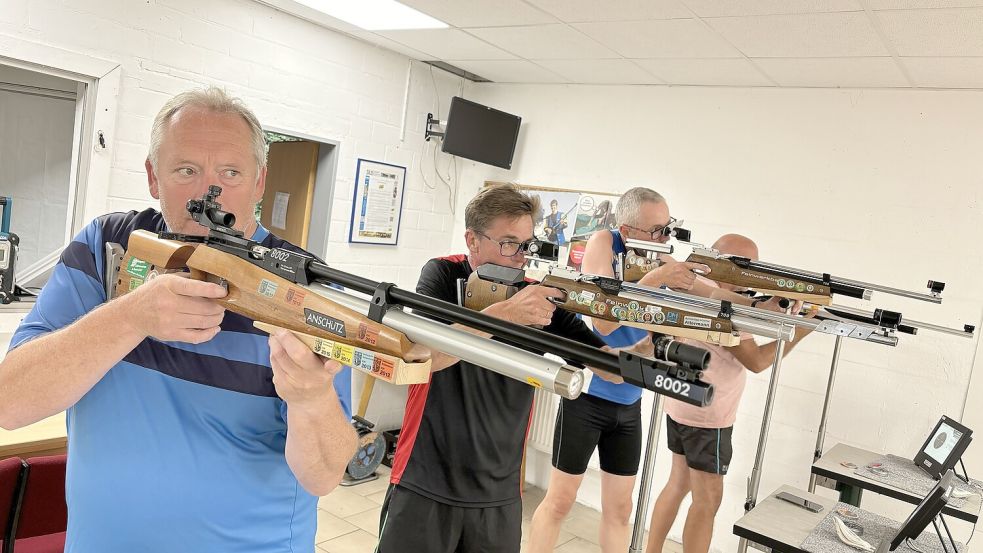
(267,288)
(137,267)
(368,334)
(295,296)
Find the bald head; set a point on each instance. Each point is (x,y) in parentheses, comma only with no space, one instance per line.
(735,244)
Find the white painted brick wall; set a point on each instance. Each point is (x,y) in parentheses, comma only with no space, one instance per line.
(874,185)
(296,75)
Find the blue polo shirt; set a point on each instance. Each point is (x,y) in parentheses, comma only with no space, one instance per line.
(179,447)
(623,336)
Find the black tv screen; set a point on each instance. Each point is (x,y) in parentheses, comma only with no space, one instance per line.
(480,133)
(922,516)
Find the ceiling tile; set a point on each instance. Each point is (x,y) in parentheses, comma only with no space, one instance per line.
(825,35)
(575,11)
(719,8)
(481,13)
(600,71)
(946,72)
(834,72)
(389,44)
(509,71)
(545,42)
(934,32)
(674,38)
(919,4)
(447,44)
(722,72)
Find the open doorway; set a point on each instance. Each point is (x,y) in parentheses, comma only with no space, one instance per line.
(39,122)
(299,189)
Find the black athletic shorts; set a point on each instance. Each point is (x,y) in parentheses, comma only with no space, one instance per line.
(590,422)
(705,449)
(412,523)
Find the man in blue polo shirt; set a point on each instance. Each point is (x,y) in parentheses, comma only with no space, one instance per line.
(608,416)
(188,429)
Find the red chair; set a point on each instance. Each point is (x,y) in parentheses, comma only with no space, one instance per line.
(12,471)
(43,513)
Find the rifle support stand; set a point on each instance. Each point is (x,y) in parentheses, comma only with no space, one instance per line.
(755,480)
(648,467)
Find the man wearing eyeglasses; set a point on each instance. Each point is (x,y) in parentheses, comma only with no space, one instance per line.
(608,416)
(455,482)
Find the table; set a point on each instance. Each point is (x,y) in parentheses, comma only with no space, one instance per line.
(45,437)
(779,524)
(851,485)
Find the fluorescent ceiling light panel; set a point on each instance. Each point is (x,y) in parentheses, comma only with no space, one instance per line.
(375,15)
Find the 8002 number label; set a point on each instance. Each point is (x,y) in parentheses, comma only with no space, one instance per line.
(672,385)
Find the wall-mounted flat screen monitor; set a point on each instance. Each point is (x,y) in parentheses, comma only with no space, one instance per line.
(480,133)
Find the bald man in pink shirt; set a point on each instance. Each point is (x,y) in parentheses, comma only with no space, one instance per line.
(700,437)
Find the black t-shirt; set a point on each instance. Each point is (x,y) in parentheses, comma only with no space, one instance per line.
(464,431)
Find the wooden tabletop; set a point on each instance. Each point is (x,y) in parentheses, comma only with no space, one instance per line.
(830,467)
(45,437)
(781,525)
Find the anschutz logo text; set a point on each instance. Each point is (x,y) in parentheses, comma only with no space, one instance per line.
(322,321)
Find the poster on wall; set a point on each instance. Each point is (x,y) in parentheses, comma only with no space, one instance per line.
(568,218)
(377,203)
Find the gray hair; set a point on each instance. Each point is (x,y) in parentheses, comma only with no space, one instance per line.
(631,202)
(212,99)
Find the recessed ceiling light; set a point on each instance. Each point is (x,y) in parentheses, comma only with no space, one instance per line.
(376,15)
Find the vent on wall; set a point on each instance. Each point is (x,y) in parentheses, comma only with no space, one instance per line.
(454,70)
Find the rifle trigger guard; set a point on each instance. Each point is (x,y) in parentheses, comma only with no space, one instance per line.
(381,302)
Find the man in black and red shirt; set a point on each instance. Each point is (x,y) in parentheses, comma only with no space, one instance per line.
(455,482)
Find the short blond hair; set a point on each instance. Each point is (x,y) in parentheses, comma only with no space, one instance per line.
(495,201)
(211,99)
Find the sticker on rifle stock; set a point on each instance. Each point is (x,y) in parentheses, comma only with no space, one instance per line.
(800,287)
(137,267)
(324,322)
(534,383)
(699,322)
(658,317)
(134,282)
(810,288)
(672,317)
(587,297)
(383,368)
(780,282)
(368,334)
(790,284)
(295,297)
(343,353)
(267,288)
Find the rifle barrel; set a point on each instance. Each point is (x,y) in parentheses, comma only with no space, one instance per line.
(554,376)
(574,352)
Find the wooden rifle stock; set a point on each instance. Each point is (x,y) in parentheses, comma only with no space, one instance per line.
(726,270)
(636,266)
(262,296)
(589,299)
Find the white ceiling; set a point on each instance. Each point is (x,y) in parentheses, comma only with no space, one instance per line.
(793,43)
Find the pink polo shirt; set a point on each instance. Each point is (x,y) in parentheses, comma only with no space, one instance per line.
(728,377)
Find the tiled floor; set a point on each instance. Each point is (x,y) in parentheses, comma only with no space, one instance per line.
(348,520)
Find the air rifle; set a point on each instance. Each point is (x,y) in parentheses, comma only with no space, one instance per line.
(260,279)
(799,284)
(713,321)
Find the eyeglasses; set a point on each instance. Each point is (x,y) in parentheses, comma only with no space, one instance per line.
(656,231)
(509,248)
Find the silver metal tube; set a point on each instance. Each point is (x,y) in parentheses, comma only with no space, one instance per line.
(836,326)
(909,322)
(536,370)
(711,308)
(755,480)
(821,435)
(648,468)
(646,246)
